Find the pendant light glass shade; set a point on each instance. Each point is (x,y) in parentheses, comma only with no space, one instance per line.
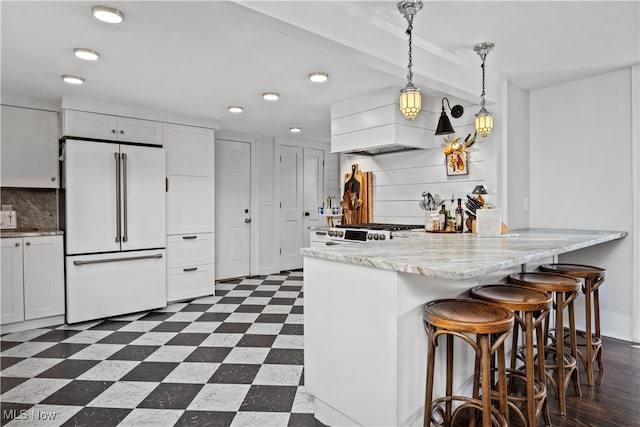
(484,122)
(410,102)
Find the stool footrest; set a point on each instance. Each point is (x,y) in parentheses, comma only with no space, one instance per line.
(468,407)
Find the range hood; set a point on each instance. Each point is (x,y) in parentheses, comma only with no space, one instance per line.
(373,124)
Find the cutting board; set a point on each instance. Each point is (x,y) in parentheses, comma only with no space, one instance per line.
(365,212)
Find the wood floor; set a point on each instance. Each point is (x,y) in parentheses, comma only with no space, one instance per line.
(614,400)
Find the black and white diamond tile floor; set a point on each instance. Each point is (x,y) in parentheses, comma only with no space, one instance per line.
(234,359)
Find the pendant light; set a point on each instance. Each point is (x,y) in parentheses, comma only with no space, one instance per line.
(484,119)
(410,98)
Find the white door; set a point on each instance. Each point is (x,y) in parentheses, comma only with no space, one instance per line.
(143,197)
(291,212)
(90,170)
(233,209)
(313,190)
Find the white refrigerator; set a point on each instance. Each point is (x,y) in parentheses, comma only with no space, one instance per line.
(115,228)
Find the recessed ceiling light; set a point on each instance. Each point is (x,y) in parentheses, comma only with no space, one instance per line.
(235,109)
(295,129)
(74,80)
(271,96)
(88,54)
(318,77)
(107,14)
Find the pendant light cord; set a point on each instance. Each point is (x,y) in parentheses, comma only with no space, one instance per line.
(409,33)
(482,66)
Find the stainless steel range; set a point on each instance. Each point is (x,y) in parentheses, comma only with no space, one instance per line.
(368,232)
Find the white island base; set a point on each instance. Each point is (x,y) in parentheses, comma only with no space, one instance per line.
(365,344)
(364,339)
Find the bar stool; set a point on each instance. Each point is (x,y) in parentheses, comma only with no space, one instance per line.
(564,289)
(593,278)
(535,306)
(463,318)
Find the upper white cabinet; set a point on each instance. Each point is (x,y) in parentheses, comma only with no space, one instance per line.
(83,124)
(29,148)
(190,174)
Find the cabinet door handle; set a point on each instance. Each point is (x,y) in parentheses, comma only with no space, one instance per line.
(121,132)
(117,157)
(190,269)
(189,237)
(113,131)
(53,178)
(17,244)
(28,243)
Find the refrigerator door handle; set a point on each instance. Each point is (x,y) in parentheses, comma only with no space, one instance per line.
(118,225)
(125,236)
(133,258)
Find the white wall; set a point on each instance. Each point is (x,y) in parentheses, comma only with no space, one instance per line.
(517,155)
(581,177)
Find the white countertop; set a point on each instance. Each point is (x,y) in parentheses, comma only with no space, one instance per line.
(462,256)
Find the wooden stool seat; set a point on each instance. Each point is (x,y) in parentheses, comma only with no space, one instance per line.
(514,298)
(531,307)
(463,318)
(593,277)
(564,289)
(467,315)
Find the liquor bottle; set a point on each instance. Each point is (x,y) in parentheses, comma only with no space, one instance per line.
(442,217)
(459,217)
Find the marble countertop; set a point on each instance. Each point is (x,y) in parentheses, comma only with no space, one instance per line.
(31,232)
(462,256)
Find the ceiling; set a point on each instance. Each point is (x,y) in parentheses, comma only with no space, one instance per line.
(197,58)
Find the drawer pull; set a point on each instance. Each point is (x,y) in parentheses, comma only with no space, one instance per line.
(321,233)
(189,237)
(190,269)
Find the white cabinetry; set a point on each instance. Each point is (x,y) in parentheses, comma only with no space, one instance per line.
(190,266)
(29,148)
(190,211)
(32,278)
(113,128)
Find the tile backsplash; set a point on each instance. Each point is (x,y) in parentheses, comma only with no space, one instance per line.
(34,207)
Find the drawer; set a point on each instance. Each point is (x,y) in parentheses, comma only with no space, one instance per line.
(190,282)
(190,249)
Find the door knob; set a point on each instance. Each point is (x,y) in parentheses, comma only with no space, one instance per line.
(247,220)
(306,214)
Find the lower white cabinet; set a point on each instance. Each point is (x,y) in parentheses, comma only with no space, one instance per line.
(32,278)
(190,266)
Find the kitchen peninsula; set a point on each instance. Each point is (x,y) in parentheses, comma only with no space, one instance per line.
(365,345)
